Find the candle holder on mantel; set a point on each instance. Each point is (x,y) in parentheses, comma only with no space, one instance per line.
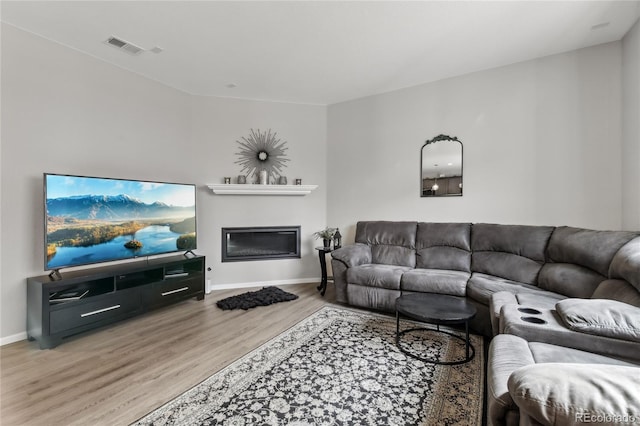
(263,177)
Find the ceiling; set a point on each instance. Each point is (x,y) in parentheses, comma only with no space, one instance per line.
(319,52)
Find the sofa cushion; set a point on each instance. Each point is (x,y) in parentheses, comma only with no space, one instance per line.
(579,259)
(383,276)
(514,252)
(569,279)
(392,243)
(444,246)
(539,299)
(575,394)
(435,281)
(545,353)
(381,299)
(626,263)
(393,255)
(601,317)
(481,286)
(585,247)
(618,290)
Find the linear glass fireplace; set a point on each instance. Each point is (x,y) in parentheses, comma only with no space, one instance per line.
(260,243)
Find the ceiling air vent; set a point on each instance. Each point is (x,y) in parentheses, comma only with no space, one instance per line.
(124,45)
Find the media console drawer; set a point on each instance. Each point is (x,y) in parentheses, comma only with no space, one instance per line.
(107,307)
(176,288)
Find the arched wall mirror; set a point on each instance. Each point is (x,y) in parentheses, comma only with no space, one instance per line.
(441,167)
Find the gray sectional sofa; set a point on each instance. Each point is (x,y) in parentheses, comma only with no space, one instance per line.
(549,295)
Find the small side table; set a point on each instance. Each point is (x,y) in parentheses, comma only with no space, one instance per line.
(322,252)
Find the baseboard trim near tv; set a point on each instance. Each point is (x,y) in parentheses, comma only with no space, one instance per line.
(231,286)
(13,338)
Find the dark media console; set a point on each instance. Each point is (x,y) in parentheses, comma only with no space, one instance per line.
(84,300)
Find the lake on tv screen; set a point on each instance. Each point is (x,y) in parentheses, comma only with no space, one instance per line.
(155,239)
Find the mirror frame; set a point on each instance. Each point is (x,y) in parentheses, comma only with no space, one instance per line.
(440,138)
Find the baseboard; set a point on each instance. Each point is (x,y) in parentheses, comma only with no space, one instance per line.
(229,286)
(13,338)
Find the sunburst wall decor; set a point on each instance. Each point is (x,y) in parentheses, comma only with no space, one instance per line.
(262,151)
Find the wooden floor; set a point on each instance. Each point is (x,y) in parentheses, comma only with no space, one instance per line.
(120,373)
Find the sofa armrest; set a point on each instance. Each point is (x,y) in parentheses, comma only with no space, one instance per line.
(506,354)
(353,255)
(574,394)
(497,301)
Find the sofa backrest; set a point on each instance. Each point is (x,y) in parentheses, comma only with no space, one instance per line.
(392,243)
(623,284)
(514,252)
(578,260)
(626,263)
(444,246)
(619,290)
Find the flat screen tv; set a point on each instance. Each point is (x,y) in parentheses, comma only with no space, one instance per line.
(91,219)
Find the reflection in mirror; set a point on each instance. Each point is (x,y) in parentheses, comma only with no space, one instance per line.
(441,167)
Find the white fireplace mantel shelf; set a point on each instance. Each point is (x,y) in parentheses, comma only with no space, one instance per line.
(252,189)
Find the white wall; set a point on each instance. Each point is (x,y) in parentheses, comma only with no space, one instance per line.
(66,112)
(217,124)
(541,146)
(631,129)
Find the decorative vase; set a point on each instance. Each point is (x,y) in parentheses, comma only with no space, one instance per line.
(326,243)
(262,177)
(282,180)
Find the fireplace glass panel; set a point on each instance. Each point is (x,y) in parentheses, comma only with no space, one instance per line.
(260,243)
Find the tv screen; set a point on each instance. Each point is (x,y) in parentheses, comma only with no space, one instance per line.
(91,219)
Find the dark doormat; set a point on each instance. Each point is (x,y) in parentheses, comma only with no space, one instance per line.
(251,299)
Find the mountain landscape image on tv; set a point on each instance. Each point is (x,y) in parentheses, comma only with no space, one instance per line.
(91,220)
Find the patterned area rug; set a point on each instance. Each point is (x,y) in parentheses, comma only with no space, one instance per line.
(337,367)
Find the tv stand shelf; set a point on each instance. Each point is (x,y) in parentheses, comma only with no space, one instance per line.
(84,300)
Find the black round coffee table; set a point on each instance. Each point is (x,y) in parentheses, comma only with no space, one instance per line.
(438,309)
